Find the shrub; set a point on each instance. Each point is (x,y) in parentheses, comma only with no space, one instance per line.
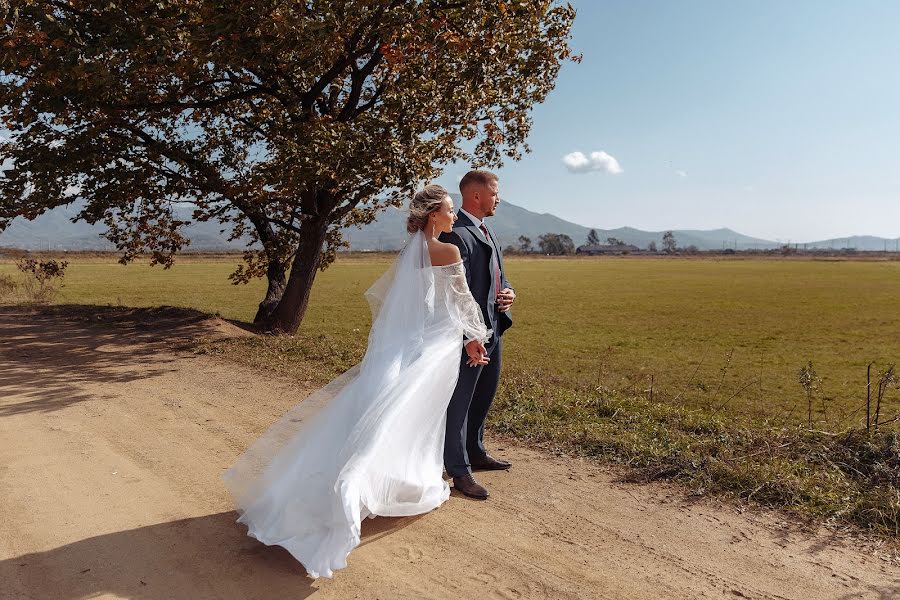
(41,278)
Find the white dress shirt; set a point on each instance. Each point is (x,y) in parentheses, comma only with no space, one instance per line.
(478,223)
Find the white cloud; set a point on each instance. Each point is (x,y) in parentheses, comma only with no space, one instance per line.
(577,162)
(681,173)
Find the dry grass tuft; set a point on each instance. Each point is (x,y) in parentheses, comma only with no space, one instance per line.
(850,478)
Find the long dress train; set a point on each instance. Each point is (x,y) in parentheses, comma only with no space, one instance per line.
(371,441)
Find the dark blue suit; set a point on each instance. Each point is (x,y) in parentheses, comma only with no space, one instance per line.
(476,387)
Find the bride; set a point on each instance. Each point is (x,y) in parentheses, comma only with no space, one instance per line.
(371,441)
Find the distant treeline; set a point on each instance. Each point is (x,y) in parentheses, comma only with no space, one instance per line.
(561,244)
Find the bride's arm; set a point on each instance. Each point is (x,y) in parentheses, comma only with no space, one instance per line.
(467,311)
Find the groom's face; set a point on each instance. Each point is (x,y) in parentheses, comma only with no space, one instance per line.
(490,198)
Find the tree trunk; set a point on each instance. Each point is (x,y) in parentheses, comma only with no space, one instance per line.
(276,272)
(277,278)
(290,310)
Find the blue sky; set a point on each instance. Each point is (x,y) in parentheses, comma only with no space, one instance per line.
(778,119)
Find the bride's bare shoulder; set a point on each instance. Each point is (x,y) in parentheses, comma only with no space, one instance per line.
(443,253)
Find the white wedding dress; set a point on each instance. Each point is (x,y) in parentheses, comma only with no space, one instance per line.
(371,441)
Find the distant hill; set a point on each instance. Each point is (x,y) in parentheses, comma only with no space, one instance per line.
(54,229)
(865,243)
(511,221)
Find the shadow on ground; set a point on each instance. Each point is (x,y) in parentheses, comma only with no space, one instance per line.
(46,352)
(200,557)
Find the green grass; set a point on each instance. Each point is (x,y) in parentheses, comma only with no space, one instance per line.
(615,322)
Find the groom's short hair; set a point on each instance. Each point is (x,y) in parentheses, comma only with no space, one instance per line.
(476,176)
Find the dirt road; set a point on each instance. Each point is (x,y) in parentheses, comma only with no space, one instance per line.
(113,437)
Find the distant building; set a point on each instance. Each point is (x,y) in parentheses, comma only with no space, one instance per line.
(592,249)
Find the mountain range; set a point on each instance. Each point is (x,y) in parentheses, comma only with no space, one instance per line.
(55,230)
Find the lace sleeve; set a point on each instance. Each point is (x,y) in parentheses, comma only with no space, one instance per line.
(463,306)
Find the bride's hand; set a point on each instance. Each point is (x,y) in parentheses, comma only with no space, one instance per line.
(477,354)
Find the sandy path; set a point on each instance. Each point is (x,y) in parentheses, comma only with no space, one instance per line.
(113,437)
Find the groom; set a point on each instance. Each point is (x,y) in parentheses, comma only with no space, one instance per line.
(464,450)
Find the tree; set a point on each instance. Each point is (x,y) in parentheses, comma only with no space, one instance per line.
(614,241)
(284,122)
(525,244)
(651,247)
(593,239)
(669,244)
(556,244)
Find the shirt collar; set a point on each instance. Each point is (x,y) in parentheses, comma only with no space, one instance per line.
(478,223)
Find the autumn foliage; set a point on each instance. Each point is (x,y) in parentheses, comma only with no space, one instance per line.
(283,121)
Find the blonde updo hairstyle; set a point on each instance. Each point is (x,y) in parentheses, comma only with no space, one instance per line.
(426,201)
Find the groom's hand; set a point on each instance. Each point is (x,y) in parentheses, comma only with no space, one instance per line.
(505,299)
(477,354)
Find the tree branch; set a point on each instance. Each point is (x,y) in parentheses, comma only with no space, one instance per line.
(211,103)
(342,211)
(358,79)
(370,102)
(281,223)
(345,62)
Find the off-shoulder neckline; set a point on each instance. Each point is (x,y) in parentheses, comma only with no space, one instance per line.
(459,262)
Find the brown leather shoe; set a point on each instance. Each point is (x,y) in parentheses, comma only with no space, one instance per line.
(489,463)
(471,488)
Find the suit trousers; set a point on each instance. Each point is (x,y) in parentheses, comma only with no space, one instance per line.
(468,410)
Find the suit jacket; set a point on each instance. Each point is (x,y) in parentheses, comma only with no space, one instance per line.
(477,253)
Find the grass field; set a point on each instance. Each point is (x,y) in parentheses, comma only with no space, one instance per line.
(722,342)
(710,333)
